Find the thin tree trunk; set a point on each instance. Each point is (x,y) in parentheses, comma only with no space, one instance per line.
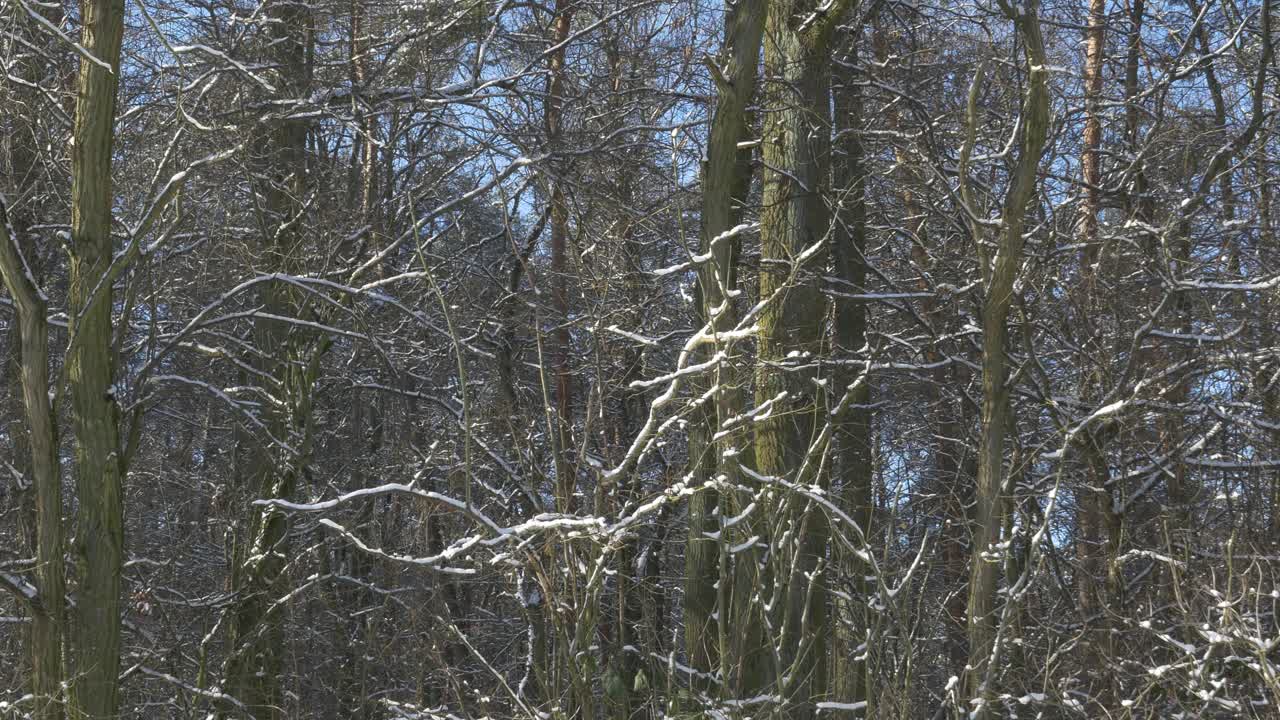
(1094,518)
(999,274)
(255,661)
(34,429)
(726,181)
(952,479)
(555,668)
(566,471)
(1140,204)
(47,609)
(850,682)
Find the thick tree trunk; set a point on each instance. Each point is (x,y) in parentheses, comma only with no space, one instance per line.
(794,226)
(95,632)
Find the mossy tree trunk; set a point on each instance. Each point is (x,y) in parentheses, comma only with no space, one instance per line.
(92,640)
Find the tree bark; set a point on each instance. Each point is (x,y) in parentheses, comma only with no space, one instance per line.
(566,470)
(34,429)
(256,641)
(1095,519)
(850,682)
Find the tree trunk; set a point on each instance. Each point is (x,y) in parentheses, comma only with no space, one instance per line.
(566,472)
(999,274)
(256,640)
(726,181)
(95,632)
(34,429)
(849,679)
(48,611)
(794,226)
(1095,548)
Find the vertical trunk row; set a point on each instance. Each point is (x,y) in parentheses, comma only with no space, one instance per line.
(999,273)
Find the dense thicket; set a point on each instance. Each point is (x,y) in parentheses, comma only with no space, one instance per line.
(589,358)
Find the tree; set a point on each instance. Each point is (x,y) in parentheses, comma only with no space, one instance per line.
(999,272)
(794,226)
(726,183)
(94,635)
(288,368)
